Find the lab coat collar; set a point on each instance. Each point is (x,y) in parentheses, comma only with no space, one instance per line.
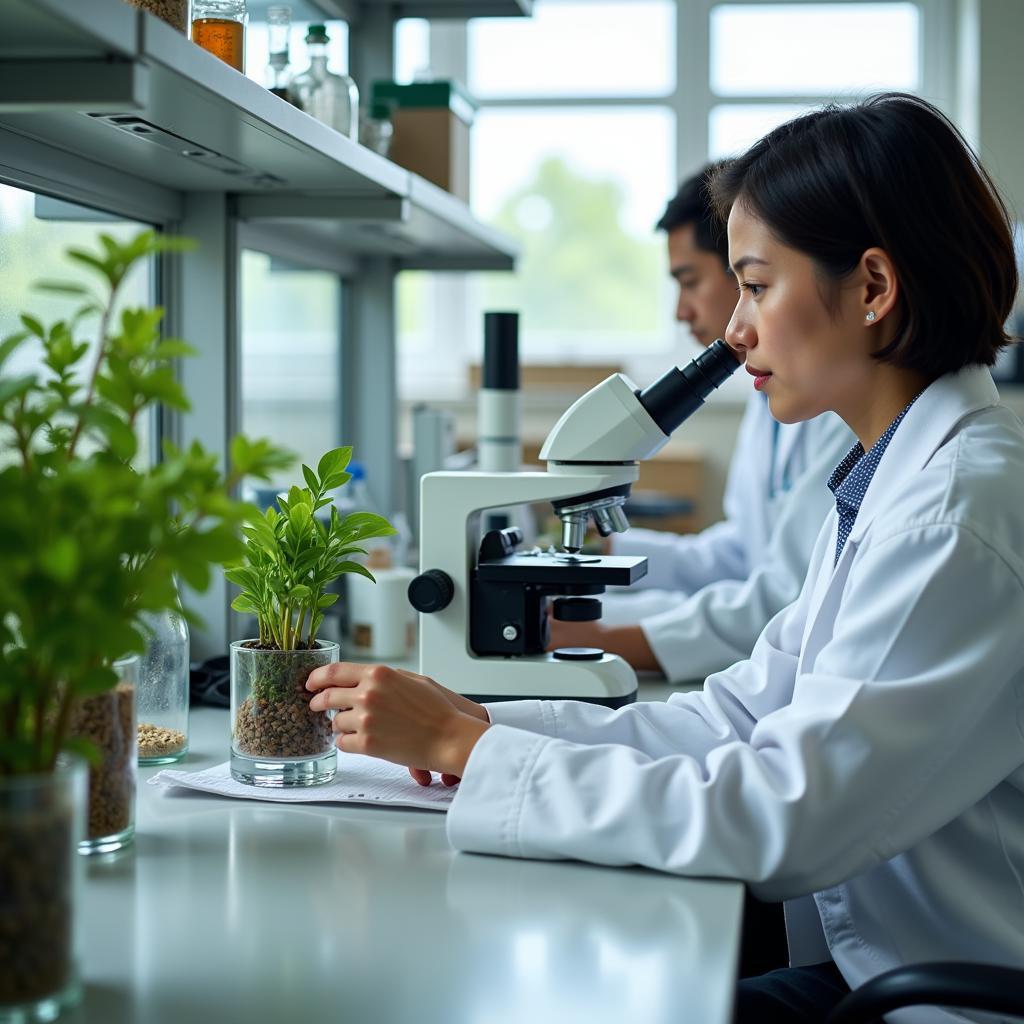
(928,423)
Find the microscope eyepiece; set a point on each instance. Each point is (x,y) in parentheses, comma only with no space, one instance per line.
(680,392)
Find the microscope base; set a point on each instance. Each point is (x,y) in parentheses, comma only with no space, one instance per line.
(608,680)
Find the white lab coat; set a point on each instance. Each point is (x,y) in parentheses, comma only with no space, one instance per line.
(735,575)
(871,750)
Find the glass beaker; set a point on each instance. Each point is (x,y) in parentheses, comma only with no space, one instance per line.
(276,740)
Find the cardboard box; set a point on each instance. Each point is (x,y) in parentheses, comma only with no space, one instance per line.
(431,139)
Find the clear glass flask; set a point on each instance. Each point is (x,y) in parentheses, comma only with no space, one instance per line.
(330,98)
(162,695)
(279,72)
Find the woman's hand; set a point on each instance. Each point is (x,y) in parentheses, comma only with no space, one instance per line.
(399,716)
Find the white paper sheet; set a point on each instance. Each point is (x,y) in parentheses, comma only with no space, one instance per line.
(360,780)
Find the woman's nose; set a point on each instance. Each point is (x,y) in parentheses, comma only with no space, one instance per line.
(740,336)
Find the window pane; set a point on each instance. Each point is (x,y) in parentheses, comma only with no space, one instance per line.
(412,49)
(734,127)
(34,234)
(575,49)
(290,357)
(581,190)
(808,49)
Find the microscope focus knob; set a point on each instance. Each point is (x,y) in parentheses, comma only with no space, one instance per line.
(431,591)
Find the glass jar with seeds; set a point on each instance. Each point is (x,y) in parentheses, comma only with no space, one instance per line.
(163,689)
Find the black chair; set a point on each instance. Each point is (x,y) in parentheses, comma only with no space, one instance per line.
(967,986)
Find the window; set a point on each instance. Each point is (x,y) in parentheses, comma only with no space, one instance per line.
(762,56)
(290,345)
(813,49)
(35,231)
(572,155)
(588,116)
(574,49)
(581,189)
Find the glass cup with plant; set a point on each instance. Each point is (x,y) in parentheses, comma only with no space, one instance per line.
(292,554)
(90,543)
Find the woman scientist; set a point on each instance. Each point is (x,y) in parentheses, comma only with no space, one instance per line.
(867,761)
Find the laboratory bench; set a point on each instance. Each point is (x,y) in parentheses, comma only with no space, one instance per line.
(238,910)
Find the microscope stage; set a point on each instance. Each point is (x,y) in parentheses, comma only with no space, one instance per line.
(609,570)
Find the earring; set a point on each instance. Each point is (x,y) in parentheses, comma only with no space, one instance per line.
(870,317)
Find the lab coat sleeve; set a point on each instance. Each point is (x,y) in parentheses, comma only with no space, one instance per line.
(869,756)
(719,624)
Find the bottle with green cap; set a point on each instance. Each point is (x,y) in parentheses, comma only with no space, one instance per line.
(329,97)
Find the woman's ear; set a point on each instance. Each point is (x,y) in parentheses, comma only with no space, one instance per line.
(880,288)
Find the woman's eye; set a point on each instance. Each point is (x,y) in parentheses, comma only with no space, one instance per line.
(754,289)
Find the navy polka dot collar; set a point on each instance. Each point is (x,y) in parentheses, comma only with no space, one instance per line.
(849,482)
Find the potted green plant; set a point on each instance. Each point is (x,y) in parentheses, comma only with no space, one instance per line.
(292,554)
(89,544)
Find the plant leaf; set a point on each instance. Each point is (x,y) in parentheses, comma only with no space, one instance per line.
(333,461)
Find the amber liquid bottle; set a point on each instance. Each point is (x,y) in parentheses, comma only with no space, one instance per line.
(219,27)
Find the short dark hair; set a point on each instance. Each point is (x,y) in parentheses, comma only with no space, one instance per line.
(692,205)
(895,173)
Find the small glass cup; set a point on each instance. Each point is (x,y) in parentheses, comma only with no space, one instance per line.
(107,720)
(42,817)
(276,740)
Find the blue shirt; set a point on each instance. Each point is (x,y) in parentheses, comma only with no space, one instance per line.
(849,482)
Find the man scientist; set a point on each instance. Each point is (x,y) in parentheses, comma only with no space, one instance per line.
(707,596)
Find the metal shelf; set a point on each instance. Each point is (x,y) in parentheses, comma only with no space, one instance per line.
(352,10)
(123,90)
(427,230)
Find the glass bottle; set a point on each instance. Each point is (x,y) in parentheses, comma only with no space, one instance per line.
(279,73)
(162,695)
(376,130)
(219,26)
(330,98)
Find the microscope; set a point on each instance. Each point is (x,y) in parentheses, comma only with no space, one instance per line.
(484,623)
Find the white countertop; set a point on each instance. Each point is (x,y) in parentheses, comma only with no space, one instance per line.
(229,910)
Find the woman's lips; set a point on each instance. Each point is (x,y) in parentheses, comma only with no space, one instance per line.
(760,376)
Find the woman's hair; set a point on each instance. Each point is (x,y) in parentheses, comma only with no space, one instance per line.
(895,173)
